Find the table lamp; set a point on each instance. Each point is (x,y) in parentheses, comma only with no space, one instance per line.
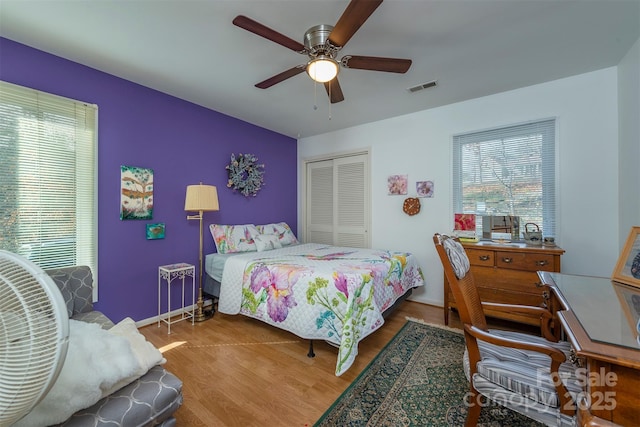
(200,198)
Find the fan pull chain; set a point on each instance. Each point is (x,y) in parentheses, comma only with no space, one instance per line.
(315,95)
(330,101)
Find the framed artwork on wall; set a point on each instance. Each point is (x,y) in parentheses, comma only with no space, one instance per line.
(628,266)
(424,188)
(397,185)
(136,193)
(155,231)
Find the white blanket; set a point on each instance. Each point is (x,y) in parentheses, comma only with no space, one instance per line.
(318,291)
(98,363)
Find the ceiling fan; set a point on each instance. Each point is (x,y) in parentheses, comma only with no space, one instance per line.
(322,44)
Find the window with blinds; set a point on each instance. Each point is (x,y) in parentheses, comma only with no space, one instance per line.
(507,171)
(48,195)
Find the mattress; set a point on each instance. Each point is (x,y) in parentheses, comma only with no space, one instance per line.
(214,264)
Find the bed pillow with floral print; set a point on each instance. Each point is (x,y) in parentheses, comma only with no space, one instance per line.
(282,230)
(234,238)
(265,242)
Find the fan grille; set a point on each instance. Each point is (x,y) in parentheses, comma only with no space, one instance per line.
(34,329)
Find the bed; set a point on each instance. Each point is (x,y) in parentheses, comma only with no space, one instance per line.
(315,291)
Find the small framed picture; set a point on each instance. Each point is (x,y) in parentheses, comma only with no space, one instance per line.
(628,266)
(629,297)
(155,231)
(424,188)
(397,185)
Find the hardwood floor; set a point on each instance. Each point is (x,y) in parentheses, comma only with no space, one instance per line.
(241,372)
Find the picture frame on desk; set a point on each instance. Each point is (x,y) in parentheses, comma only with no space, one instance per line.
(627,268)
(629,297)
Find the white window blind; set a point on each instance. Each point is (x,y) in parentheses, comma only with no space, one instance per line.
(507,171)
(48,195)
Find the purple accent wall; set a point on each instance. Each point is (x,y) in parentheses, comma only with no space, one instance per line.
(184,144)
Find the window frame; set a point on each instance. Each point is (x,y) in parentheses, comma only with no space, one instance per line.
(549,158)
(33,118)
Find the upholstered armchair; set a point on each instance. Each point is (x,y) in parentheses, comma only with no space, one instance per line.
(526,373)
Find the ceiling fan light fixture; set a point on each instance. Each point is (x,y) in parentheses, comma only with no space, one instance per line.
(323,68)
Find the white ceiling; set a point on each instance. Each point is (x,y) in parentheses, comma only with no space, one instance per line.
(190,49)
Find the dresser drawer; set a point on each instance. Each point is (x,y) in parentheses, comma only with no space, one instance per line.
(480,257)
(510,297)
(507,280)
(525,261)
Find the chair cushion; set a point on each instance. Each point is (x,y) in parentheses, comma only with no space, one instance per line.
(457,257)
(94,317)
(150,400)
(76,282)
(546,415)
(525,372)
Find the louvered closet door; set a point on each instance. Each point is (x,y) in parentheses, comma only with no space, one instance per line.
(338,201)
(351,193)
(320,202)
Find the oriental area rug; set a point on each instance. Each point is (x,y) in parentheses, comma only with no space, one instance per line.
(416,380)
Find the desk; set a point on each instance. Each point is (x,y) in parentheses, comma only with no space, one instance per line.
(599,318)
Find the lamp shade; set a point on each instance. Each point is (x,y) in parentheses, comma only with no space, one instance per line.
(322,69)
(201,197)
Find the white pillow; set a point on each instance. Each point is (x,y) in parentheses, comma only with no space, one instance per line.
(234,238)
(145,353)
(97,364)
(265,242)
(282,230)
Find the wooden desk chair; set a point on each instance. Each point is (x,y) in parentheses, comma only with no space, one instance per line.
(523,372)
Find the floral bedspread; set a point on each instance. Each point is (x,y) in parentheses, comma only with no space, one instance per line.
(317,291)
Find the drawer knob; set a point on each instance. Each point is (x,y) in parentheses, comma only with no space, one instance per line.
(542,263)
(484,257)
(507,260)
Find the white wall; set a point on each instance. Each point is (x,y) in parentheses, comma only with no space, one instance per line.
(419,144)
(629,124)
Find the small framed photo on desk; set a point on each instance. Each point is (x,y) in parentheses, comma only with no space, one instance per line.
(628,266)
(629,297)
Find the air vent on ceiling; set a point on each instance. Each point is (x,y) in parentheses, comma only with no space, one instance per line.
(422,86)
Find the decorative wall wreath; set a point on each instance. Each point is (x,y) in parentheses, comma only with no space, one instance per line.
(245,174)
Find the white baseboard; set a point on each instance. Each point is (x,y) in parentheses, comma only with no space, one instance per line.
(154,319)
(427,301)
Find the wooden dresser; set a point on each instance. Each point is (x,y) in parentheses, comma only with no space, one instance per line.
(507,273)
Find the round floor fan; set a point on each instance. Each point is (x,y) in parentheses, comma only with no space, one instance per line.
(34,331)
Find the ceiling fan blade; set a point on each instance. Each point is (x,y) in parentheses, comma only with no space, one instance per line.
(376,63)
(334,91)
(281,77)
(351,20)
(266,32)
